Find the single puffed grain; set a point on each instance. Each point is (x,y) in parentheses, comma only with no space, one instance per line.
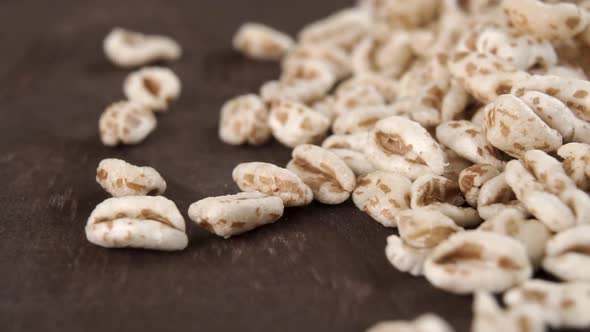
(120,178)
(153,87)
(328,176)
(231,215)
(272,180)
(125,122)
(137,222)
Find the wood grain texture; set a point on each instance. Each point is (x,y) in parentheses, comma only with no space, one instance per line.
(321,268)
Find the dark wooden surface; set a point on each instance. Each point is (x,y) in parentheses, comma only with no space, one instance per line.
(321,268)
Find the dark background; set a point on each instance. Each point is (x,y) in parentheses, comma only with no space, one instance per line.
(321,268)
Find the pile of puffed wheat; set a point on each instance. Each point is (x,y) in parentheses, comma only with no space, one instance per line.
(465,124)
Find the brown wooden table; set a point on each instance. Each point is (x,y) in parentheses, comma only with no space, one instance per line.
(321,268)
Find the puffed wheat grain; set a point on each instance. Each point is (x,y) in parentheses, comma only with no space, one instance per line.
(382,195)
(568,254)
(125,122)
(153,87)
(231,215)
(532,233)
(477,261)
(137,222)
(328,176)
(562,304)
(119,178)
(272,180)
(294,124)
(244,120)
(259,41)
(489,317)
(472,178)
(400,145)
(130,49)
